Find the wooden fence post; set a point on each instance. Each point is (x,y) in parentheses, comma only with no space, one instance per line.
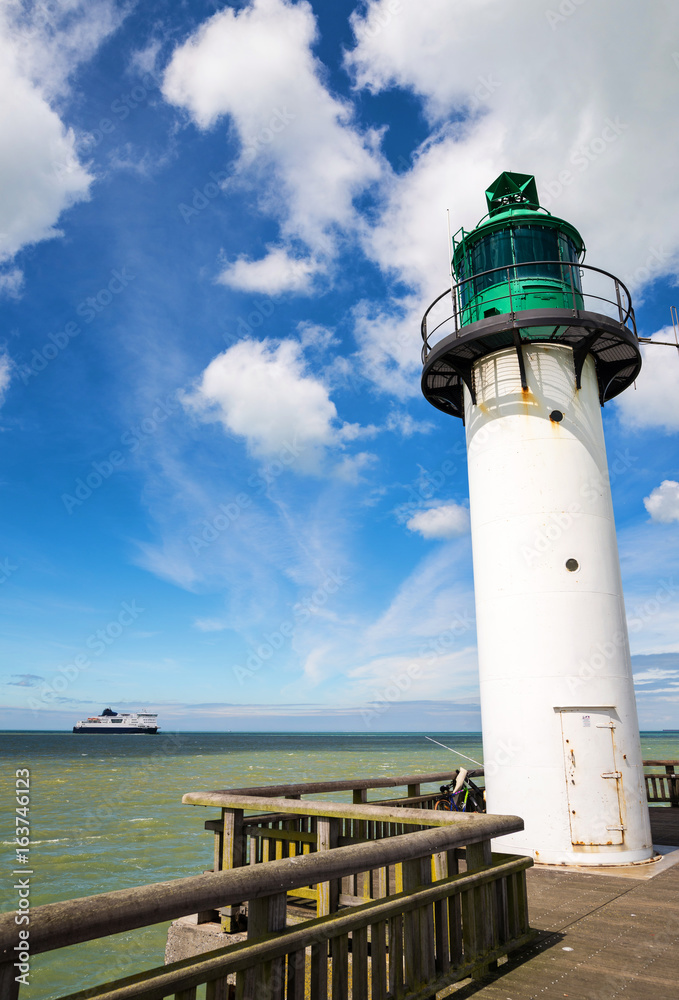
(233,856)
(9,988)
(418,927)
(480,925)
(328,892)
(265,981)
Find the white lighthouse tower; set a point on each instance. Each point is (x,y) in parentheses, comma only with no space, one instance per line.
(537,342)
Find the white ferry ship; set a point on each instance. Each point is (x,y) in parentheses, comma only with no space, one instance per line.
(119,722)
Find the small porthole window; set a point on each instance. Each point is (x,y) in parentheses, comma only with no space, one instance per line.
(572,565)
(556,416)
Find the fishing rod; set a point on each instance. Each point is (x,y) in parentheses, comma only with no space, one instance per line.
(453,751)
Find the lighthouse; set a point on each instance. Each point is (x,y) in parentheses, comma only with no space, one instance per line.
(526,346)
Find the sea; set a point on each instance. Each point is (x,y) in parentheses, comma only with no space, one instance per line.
(106,813)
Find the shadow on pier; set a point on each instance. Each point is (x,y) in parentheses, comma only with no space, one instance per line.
(602,934)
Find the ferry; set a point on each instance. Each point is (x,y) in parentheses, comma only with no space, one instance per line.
(129,723)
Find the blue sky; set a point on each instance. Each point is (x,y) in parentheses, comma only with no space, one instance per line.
(224,497)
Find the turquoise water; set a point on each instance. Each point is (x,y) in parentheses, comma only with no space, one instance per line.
(106,814)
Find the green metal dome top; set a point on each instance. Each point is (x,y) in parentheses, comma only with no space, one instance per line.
(510,190)
(513,201)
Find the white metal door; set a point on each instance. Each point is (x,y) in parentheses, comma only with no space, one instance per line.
(592,780)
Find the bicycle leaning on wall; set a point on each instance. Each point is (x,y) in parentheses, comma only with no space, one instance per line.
(461,794)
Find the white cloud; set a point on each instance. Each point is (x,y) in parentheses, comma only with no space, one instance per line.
(255,65)
(352,466)
(389,345)
(11,283)
(402,423)
(261,391)
(274,274)
(355,432)
(445,521)
(663,502)
(654,404)
(40,172)
(431,604)
(597,139)
(654,674)
(5,375)
(209,625)
(317,337)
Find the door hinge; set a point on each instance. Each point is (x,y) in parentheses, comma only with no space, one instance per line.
(612,774)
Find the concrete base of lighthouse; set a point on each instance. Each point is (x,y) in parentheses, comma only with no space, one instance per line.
(560,729)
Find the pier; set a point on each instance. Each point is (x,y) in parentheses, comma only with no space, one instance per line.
(382,897)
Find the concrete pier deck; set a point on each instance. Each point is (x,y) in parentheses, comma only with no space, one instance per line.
(603,934)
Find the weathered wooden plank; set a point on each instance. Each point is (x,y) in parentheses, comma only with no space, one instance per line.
(328,892)
(418,926)
(378,960)
(293,836)
(359,964)
(396,955)
(296,975)
(313,787)
(266,978)
(474,827)
(318,979)
(233,856)
(455,930)
(339,949)
(57,924)
(186,994)
(441,936)
(9,988)
(159,983)
(217,989)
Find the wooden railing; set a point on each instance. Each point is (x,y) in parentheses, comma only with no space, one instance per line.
(662,787)
(443,924)
(285,825)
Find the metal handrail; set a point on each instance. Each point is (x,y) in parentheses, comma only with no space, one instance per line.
(622,303)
